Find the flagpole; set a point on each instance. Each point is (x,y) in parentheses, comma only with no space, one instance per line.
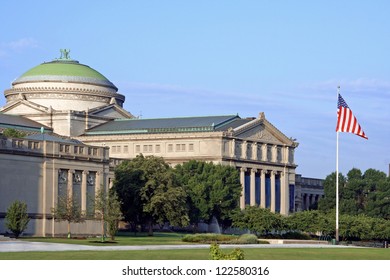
(337,178)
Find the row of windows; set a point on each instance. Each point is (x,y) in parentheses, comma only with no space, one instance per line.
(118,149)
(78,149)
(153,148)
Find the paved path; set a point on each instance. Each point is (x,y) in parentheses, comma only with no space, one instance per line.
(26,246)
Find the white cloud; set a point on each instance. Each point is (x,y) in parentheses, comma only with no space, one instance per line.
(23,43)
(6,48)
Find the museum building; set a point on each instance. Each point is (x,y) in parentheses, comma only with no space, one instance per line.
(77,132)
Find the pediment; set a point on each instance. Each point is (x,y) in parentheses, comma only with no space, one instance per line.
(24,107)
(260,130)
(259,133)
(112,111)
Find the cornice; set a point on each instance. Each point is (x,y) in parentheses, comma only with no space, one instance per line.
(61,90)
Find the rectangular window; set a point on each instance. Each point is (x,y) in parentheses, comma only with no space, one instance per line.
(113,149)
(125,149)
(75,149)
(118,149)
(170,148)
(158,149)
(191,147)
(81,150)
(180,147)
(67,148)
(137,148)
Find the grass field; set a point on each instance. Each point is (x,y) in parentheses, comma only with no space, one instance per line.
(121,240)
(202,254)
(187,254)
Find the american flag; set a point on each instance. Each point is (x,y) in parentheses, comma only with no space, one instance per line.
(346,121)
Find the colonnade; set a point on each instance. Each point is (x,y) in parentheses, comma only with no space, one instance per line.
(266,188)
(309,199)
(89,183)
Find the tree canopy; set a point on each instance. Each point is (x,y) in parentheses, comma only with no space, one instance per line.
(359,193)
(213,190)
(149,192)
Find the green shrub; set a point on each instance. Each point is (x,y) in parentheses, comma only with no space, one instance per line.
(247,239)
(296,235)
(217,254)
(16,219)
(208,238)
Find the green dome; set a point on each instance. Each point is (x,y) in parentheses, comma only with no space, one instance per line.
(64,70)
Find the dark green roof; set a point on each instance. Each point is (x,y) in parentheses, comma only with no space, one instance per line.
(19,122)
(53,138)
(166,125)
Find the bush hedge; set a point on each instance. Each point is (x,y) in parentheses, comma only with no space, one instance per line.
(209,238)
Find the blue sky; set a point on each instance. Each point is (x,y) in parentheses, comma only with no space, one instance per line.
(193,58)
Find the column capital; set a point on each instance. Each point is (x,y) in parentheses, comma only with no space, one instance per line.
(85,172)
(243,169)
(253,170)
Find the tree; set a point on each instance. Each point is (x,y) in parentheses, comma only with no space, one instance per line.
(154,186)
(212,190)
(13,133)
(329,201)
(310,222)
(68,210)
(100,210)
(259,220)
(17,218)
(107,210)
(367,193)
(127,185)
(114,214)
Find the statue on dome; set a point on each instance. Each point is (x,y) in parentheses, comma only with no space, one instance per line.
(65,54)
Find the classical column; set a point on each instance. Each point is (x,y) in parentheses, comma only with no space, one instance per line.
(312,199)
(233,148)
(307,201)
(284,194)
(98,181)
(70,182)
(242,180)
(244,150)
(253,185)
(84,191)
(274,152)
(262,188)
(254,151)
(286,154)
(264,152)
(273,201)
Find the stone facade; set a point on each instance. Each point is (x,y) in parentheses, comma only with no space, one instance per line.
(38,172)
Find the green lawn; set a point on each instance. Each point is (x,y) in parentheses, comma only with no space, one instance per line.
(122,239)
(202,254)
(187,254)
